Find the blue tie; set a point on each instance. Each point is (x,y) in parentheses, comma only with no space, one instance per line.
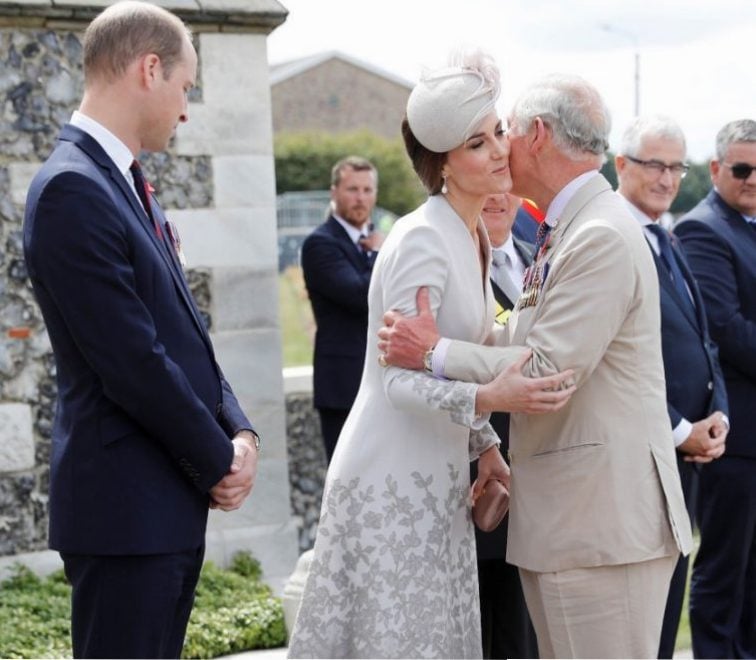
(668,258)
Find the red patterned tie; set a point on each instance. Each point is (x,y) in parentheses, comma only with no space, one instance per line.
(144,196)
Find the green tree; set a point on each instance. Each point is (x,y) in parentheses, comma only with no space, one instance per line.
(304,162)
(609,171)
(694,187)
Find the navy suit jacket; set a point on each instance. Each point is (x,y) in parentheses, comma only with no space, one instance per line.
(144,416)
(525,226)
(695,385)
(721,249)
(493,545)
(337,276)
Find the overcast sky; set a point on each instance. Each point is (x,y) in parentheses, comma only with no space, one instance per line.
(697,57)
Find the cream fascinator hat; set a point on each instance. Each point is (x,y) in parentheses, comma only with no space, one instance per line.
(447,105)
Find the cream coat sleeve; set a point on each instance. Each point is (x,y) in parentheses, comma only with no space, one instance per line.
(418,260)
(481,440)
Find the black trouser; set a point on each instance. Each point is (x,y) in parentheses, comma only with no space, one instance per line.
(504,620)
(723,584)
(673,609)
(331,421)
(134,606)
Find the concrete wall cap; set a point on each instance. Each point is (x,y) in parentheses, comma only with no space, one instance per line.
(202,15)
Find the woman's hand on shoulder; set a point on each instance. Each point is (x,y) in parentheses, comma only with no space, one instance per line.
(512,391)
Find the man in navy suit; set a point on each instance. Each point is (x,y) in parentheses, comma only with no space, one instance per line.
(148,434)
(505,624)
(650,166)
(337,262)
(719,238)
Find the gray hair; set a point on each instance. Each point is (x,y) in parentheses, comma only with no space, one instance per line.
(573,109)
(740,130)
(655,126)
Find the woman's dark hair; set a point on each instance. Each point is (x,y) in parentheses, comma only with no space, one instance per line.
(427,164)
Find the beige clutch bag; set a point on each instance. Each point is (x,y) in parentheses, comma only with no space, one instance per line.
(491,506)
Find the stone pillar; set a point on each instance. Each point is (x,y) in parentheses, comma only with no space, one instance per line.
(217,183)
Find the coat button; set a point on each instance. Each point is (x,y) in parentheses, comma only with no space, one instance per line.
(710,385)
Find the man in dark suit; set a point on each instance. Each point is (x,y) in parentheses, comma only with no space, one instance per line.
(650,166)
(505,623)
(337,262)
(719,239)
(148,434)
(525,225)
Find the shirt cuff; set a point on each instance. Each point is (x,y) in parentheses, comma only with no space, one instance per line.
(681,432)
(438,361)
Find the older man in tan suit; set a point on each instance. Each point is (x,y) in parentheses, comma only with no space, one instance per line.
(597,516)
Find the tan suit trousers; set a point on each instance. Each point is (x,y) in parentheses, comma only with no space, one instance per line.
(600,612)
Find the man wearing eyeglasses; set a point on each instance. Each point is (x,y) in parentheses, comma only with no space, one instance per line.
(650,166)
(719,238)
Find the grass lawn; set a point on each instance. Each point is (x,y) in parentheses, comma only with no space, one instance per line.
(297,323)
(683,641)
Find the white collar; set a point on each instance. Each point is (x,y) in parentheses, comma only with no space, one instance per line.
(639,215)
(645,222)
(354,233)
(118,152)
(563,197)
(508,247)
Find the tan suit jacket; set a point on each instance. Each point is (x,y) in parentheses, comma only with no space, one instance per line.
(597,482)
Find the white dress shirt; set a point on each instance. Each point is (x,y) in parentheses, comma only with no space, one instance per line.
(355,234)
(116,150)
(514,266)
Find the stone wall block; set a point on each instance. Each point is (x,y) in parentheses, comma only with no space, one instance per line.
(229,237)
(244,181)
(16,437)
(234,118)
(242,297)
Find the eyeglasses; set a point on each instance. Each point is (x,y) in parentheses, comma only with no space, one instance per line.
(678,170)
(741,170)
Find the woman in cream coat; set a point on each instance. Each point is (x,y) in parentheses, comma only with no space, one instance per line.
(394,569)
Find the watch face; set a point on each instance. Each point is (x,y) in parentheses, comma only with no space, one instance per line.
(428,360)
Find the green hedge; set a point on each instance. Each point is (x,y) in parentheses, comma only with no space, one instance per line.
(234,612)
(304,162)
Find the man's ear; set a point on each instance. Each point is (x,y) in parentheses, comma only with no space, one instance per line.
(151,69)
(619,163)
(539,135)
(714,169)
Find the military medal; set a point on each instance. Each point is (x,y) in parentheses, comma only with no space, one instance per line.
(176,242)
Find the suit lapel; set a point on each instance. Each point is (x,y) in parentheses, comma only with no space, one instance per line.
(178,275)
(507,300)
(502,298)
(665,283)
(744,233)
(350,249)
(92,148)
(525,250)
(692,286)
(583,196)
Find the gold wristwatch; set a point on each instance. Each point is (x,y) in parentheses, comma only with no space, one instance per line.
(428,360)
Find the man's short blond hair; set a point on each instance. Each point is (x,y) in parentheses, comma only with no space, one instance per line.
(127,31)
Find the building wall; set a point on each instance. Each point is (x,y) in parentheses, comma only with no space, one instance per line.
(216,182)
(337,96)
